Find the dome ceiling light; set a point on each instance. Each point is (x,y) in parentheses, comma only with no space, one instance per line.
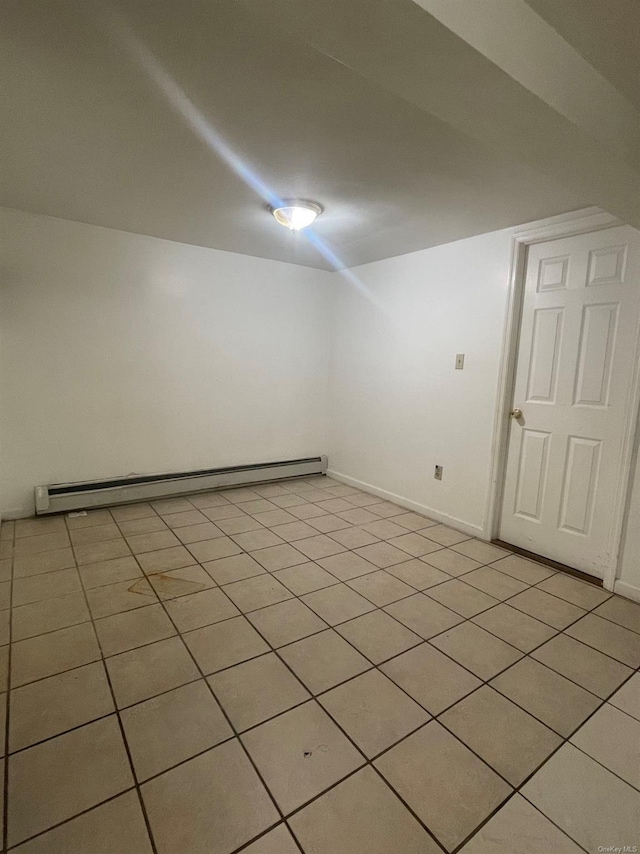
(296,214)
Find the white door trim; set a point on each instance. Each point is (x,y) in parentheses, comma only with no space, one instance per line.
(567,225)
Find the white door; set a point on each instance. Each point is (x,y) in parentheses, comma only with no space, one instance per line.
(574,375)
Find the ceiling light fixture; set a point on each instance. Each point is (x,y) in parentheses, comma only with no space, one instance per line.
(296,214)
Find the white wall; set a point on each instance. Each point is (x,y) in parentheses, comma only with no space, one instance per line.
(125,353)
(398,406)
(628,583)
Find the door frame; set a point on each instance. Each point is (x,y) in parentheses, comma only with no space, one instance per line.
(567,225)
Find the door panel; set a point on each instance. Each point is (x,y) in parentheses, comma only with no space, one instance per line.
(573,379)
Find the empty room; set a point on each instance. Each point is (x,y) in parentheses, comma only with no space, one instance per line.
(319,426)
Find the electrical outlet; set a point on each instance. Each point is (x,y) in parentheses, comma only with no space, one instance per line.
(459,361)
(438,473)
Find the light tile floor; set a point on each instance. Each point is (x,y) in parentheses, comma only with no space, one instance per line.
(302,666)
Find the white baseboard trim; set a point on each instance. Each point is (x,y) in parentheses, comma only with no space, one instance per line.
(631,591)
(444,518)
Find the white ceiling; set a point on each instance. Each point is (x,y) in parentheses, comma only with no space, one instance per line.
(179,118)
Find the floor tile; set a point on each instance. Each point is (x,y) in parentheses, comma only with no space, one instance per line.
(337,604)
(200,609)
(305,578)
(627,698)
(300,754)
(431,678)
(451,562)
(340,522)
(208,499)
(477,650)
(448,787)
(347,565)
(123,596)
(39,526)
(52,653)
(59,703)
(609,638)
(373,711)
(53,781)
(180,582)
(257,592)
(579,593)
(524,570)
(276,841)
(235,568)
(240,495)
(461,598)
(221,511)
(480,551)
(115,827)
(97,534)
(146,525)
(286,622)
(612,738)
(323,660)
(226,803)
(413,521)
(364,499)
(378,636)
(594,671)
(184,519)
(319,546)
(49,615)
(334,505)
(279,557)
(495,583)
(149,670)
(542,692)
(581,810)
(256,690)
(96,552)
(445,536)
(382,555)
(514,627)
(261,538)
(381,588)
(139,543)
(131,511)
(165,506)
(294,531)
(415,544)
(41,543)
(423,616)
(109,572)
(224,644)
(288,500)
(166,730)
(353,538)
(164,560)
(621,611)
(214,549)
(272,518)
(259,505)
(385,509)
(384,529)
(131,629)
(51,585)
(5,593)
(198,533)
(508,739)
(418,574)
(360,816)
(23,567)
(359,516)
(307,511)
(238,525)
(518,828)
(547,608)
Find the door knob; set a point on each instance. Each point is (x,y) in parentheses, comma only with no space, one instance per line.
(516,413)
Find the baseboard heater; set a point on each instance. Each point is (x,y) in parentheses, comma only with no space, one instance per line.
(61,497)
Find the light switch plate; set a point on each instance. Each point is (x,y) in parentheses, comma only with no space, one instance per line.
(459,361)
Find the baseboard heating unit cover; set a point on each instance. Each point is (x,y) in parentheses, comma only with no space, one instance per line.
(61,497)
